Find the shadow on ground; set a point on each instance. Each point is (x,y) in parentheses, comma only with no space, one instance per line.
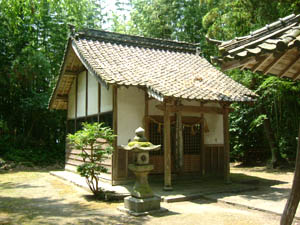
(50,211)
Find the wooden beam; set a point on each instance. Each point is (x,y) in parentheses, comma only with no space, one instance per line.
(274,63)
(202,144)
(179,142)
(226,144)
(188,108)
(76,102)
(99,101)
(167,150)
(244,66)
(62,97)
(146,114)
(289,66)
(260,63)
(296,76)
(115,129)
(86,94)
(70,74)
(237,63)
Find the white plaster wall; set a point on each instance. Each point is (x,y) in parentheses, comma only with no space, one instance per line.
(92,95)
(71,101)
(81,96)
(131,111)
(215,126)
(106,99)
(213,121)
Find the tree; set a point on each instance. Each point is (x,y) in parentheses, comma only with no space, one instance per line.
(32,41)
(93,152)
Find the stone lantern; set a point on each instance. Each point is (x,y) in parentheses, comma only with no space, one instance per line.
(142,200)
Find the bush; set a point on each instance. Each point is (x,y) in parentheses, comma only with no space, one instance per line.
(87,139)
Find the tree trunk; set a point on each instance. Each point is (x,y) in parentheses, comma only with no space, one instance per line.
(271,140)
(293,200)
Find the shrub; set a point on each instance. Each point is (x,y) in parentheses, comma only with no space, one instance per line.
(86,140)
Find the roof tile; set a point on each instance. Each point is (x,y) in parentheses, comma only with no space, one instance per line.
(167,68)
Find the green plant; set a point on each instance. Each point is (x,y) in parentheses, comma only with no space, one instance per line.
(93,152)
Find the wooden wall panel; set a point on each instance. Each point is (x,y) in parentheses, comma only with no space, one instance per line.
(193,163)
(158,162)
(121,167)
(73,159)
(214,160)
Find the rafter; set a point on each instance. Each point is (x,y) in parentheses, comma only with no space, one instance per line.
(237,63)
(274,63)
(260,63)
(296,76)
(70,74)
(289,66)
(244,66)
(62,97)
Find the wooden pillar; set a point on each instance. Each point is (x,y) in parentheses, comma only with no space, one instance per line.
(86,94)
(293,200)
(99,101)
(202,144)
(179,142)
(76,100)
(115,129)
(146,114)
(167,150)
(226,144)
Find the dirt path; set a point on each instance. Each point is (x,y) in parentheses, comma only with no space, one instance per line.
(39,198)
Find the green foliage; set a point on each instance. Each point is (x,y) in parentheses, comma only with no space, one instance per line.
(86,139)
(170,19)
(32,40)
(257,122)
(280,100)
(227,19)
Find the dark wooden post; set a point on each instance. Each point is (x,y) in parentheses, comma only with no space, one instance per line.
(146,114)
(76,102)
(99,102)
(86,94)
(167,150)
(226,143)
(202,144)
(179,142)
(115,128)
(293,200)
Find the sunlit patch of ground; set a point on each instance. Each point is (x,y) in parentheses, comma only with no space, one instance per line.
(39,198)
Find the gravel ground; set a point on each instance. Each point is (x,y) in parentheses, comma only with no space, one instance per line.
(39,198)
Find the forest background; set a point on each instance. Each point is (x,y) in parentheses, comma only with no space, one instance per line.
(33,34)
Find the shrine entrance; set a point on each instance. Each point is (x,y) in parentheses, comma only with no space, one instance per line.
(191,144)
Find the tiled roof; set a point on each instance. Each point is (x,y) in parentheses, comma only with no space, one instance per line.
(282,34)
(165,68)
(278,39)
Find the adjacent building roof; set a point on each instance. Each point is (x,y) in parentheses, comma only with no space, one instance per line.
(164,68)
(272,49)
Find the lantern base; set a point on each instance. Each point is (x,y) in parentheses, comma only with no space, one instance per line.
(141,205)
